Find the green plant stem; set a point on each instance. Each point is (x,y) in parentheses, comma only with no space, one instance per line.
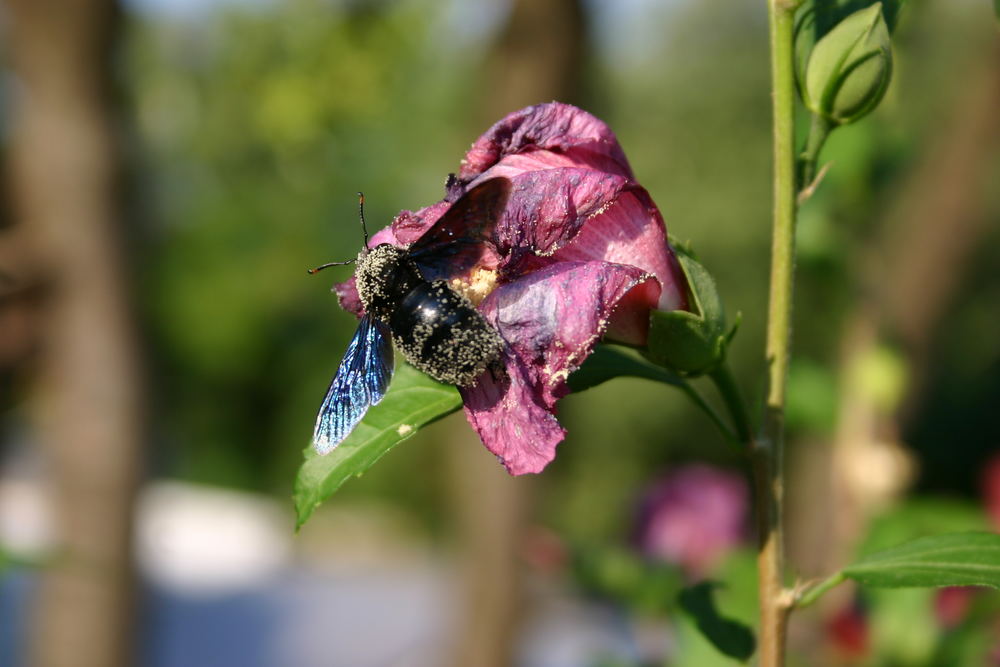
(819,130)
(774,599)
(724,382)
(813,592)
(732,438)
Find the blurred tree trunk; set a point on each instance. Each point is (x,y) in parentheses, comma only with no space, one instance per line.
(538,57)
(913,271)
(62,168)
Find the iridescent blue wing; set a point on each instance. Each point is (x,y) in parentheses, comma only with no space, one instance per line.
(455,243)
(361,382)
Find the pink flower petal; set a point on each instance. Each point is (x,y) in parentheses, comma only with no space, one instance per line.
(511,419)
(550,319)
(347,295)
(553,127)
(547,209)
(408,226)
(631,232)
(629,322)
(535,160)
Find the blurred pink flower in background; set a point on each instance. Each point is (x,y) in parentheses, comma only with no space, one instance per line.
(581,251)
(951,604)
(848,631)
(693,516)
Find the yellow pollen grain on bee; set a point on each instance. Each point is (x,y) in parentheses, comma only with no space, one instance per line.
(404,429)
(476,286)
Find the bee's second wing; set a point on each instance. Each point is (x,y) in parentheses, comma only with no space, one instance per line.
(361,382)
(454,243)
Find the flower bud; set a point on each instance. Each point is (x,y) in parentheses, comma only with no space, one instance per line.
(848,70)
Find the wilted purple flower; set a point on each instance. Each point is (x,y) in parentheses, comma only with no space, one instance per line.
(693,516)
(580,252)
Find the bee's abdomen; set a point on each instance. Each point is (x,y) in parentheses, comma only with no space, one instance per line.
(442,334)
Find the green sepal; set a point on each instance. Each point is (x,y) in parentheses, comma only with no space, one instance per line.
(691,342)
(804,41)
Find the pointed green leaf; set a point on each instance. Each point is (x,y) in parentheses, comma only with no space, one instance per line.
(607,362)
(952,559)
(413,401)
(731,637)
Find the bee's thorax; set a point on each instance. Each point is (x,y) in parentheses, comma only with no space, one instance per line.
(384,277)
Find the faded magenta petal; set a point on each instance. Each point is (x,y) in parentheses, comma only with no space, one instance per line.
(409,226)
(550,319)
(554,127)
(632,232)
(548,208)
(525,443)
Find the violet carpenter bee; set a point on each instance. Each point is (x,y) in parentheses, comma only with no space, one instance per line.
(407,298)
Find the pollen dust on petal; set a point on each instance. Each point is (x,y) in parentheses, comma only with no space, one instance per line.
(476,286)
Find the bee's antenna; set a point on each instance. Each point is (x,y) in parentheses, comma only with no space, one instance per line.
(361,211)
(328,265)
(364,228)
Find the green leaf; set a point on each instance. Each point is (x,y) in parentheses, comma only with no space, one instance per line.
(731,637)
(951,559)
(919,517)
(413,401)
(607,362)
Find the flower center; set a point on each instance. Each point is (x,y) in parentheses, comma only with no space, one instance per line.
(476,286)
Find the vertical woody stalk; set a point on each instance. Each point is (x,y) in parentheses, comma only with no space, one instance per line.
(767,455)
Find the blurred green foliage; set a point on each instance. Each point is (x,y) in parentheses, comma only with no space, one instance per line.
(256,127)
